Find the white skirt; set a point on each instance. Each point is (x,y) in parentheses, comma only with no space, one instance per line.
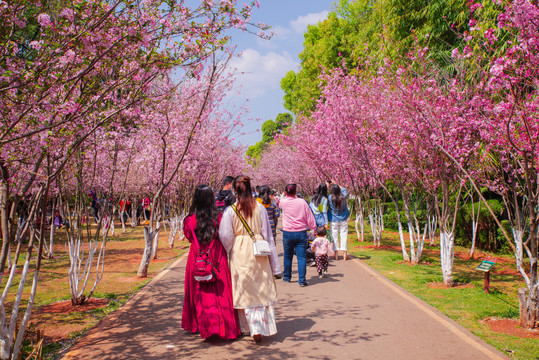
(258,320)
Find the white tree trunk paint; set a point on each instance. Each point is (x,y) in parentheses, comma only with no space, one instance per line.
(518,236)
(447,251)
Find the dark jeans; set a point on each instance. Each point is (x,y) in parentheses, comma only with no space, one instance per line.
(294,241)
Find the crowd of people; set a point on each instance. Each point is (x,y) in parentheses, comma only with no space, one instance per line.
(232,264)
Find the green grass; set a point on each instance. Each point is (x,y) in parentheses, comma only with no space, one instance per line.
(466,303)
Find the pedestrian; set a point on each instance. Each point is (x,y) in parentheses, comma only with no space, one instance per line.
(58,221)
(319,205)
(207,305)
(322,248)
(253,286)
(297,219)
(338,215)
(94,205)
(274,196)
(225,197)
(271,208)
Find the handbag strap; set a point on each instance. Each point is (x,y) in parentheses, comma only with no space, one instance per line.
(251,234)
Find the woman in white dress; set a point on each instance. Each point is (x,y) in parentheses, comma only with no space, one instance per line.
(253,286)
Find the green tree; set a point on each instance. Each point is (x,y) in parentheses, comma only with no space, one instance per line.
(270,128)
(360,28)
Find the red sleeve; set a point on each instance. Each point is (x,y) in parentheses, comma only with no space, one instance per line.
(189,225)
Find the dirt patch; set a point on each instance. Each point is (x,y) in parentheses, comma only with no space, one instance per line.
(65,307)
(60,319)
(441,285)
(510,327)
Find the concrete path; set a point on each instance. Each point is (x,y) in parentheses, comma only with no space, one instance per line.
(353,313)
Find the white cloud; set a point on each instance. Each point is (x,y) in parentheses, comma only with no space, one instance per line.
(258,72)
(300,24)
(280,31)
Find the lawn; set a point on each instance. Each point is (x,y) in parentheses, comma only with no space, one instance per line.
(466,302)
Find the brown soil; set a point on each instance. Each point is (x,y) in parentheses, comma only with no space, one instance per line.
(59,320)
(510,327)
(65,307)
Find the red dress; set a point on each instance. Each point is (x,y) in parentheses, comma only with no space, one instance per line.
(207,307)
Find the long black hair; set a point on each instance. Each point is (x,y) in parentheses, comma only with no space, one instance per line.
(203,206)
(320,193)
(337,197)
(264,193)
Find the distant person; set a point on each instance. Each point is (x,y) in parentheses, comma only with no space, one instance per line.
(94,205)
(58,221)
(322,248)
(274,196)
(319,205)
(271,208)
(225,197)
(253,286)
(338,215)
(207,306)
(297,219)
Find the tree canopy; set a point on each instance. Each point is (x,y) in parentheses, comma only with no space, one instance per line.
(270,129)
(361,30)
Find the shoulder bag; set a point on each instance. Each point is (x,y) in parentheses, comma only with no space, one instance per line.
(260,247)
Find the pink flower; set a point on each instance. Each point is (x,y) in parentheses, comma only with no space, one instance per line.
(44,20)
(68,57)
(68,14)
(496,70)
(36,45)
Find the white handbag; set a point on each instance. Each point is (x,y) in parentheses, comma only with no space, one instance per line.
(260,247)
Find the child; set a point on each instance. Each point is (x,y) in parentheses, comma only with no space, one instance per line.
(322,247)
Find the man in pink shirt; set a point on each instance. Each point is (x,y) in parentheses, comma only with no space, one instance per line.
(297,219)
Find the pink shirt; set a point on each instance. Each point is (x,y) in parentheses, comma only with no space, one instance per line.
(322,246)
(297,215)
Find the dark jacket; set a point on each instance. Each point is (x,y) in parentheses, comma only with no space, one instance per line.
(223,199)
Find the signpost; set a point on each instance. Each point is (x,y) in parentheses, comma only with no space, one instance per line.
(485,266)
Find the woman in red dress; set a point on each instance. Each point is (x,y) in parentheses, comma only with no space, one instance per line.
(207,306)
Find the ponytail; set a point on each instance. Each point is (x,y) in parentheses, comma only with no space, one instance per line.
(246,202)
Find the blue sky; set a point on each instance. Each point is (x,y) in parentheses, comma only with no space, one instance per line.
(263,63)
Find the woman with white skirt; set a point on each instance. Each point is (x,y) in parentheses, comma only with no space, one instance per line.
(253,287)
(338,215)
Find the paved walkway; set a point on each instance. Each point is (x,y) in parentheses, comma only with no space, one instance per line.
(353,313)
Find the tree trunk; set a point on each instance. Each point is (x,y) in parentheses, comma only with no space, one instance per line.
(475,223)
(447,250)
(401,232)
(529,307)
(155,243)
(149,235)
